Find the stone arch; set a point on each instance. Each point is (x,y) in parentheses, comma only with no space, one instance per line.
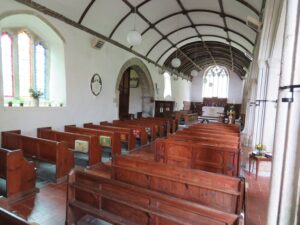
(145,82)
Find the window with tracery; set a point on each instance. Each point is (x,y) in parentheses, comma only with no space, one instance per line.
(24,65)
(167,89)
(215,82)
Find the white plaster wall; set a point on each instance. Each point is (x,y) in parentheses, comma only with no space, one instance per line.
(135,100)
(235,89)
(81,62)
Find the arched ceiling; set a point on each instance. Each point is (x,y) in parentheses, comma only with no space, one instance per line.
(204,32)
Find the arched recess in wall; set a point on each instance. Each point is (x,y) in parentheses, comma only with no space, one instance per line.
(145,83)
(40,31)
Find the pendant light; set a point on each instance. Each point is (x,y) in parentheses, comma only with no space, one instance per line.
(134,37)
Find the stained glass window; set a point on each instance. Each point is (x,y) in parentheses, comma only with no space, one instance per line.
(215,82)
(40,68)
(24,61)
(7,65)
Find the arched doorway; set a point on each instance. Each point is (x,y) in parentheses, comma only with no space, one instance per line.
(135,89)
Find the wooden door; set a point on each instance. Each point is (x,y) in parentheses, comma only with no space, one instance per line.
(124,95)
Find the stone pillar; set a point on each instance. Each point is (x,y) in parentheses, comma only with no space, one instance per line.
(286,157)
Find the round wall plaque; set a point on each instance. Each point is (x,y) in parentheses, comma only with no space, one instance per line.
(96,84)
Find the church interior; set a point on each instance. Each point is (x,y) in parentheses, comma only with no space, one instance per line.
(149,112)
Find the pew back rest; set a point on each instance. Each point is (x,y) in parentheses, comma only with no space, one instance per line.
(114,136)
(208,156)
(136,205)
(213,190)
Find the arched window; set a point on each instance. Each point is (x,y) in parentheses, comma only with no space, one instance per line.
(215,82)
(27,70)
(24,63)
(7,64)
(167,89)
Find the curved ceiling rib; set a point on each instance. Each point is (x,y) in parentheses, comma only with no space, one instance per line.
(198,25)
(86,11)
(196,36)
(230,42)
(197,10)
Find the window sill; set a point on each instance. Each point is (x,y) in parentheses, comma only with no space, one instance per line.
(33,108)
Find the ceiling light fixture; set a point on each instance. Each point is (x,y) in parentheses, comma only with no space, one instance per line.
(134,37)
(194,73)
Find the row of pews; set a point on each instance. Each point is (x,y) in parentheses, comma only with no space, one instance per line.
(188,177)
(20,154)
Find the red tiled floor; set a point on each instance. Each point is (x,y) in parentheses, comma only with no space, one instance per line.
(257,196)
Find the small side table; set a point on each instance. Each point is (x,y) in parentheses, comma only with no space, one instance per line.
(257,159)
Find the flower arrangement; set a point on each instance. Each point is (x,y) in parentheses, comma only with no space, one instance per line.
(231,111)
(35,94)
(260,147)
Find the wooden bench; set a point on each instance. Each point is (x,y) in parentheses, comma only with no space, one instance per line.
(19,175)
(125,204)
(138,131)
(219,126)
(94,151)
(225,193)
(212,139)
(190,118)
(126,134)
(151,128)
(53,152)
(171,125)
(8,218)
(107,138)
(208,156)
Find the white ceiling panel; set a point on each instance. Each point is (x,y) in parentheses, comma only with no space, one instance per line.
(128,25)
(159,49)
(256,3)
(100,17)
(153,10)
(195,39)
(237,9)
(166,55)
(173,23)
(215,39)
(196,4)
(242,29)
(182,34)
(206,18)
(148,40)
(71,9)
(206,30)
(241,41)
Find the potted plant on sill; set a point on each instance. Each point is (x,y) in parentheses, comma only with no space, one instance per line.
(10,103)
(36,96)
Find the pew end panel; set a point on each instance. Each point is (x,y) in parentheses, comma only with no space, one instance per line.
(20,175)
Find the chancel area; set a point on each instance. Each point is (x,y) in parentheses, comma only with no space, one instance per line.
(139,112)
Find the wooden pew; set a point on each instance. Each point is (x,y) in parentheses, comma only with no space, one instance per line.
(125,204)
(225,136)
(53,152)
(19,174)
(162,126)
(154,128)
(225,193)
(206,140)
(210,139)
(126,134)
(190,118)
(222,127)
(139,131)
(8,218)
(169,124)
(208,156)
(115,141)
(94,148)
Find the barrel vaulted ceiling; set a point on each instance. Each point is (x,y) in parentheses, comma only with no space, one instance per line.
(200,32)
